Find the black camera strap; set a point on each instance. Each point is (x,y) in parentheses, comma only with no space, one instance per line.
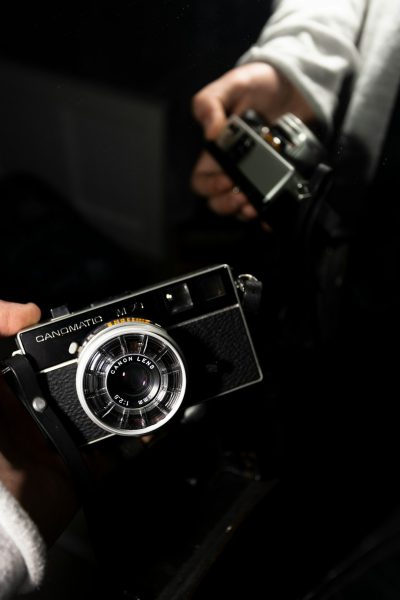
(21,378)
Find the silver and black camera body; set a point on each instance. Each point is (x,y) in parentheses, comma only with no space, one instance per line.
(270,161)
(126,366)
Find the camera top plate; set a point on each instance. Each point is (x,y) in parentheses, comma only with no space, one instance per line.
(170,303)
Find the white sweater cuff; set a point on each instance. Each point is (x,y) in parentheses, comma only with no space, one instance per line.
(314,53)
(22,549)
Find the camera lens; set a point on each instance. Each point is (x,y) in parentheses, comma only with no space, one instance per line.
(133,380)
(130,378)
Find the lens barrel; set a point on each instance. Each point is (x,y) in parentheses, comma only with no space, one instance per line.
(131,377)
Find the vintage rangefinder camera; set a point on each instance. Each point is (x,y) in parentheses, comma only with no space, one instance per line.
(269,161)
(125,366)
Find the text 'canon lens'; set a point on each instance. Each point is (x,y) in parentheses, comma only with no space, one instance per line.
(130,378)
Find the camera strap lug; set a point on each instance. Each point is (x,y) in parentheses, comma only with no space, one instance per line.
(250,289)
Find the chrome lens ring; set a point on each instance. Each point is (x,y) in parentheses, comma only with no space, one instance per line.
(131,378)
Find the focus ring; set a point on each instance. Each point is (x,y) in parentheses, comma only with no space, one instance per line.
(130,378)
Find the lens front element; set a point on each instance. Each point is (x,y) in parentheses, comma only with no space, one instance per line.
(130,378)
(133,381)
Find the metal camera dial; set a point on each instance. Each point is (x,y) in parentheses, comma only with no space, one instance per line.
(130,378)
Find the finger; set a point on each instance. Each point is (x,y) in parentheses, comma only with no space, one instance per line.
(206,164)
(211,185)
(247,212)
(227,204)
(209,110)
(266,227)
(208,179)
(15,316)
(212,104)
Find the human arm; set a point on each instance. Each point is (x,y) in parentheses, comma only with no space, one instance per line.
(37,498)
(314,44)
(256,86)
(297,65)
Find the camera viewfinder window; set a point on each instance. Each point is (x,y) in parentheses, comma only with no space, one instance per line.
(178,299)
(212,287)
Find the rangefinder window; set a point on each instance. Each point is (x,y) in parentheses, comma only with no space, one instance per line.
(212,287)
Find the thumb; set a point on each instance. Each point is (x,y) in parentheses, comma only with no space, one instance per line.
(15,316)
(209,110)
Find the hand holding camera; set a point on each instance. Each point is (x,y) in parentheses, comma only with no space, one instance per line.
(126,366)
(26,461)
(256,86)
(123,367)
(278,166)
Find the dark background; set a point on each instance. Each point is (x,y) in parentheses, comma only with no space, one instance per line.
(158,54)
(142,55)
(74,77)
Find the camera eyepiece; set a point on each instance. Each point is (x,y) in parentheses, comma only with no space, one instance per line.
(131,378)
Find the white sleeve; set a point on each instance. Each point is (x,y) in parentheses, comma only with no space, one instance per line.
(22,550)
(314,43)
